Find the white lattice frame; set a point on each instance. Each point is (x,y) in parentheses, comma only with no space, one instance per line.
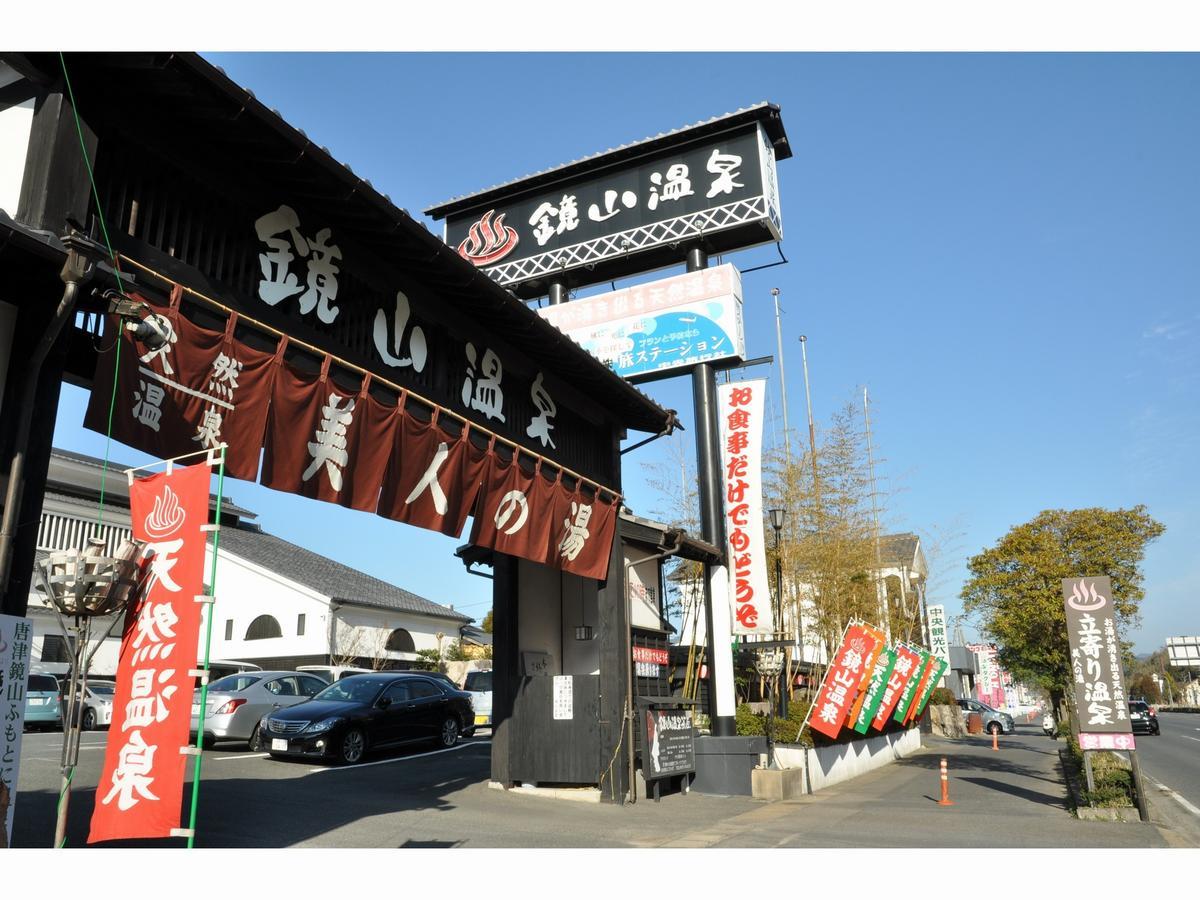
(753,209)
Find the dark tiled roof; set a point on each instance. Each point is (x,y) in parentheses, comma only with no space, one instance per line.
(898,548)
(341,583)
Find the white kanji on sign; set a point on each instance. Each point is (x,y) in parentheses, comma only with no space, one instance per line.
(481,390)
(328,447)
(148,406)
(575,534)
(541,426)
(131,778)
(429,480)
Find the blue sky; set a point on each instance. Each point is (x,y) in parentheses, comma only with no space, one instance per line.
(1001,247)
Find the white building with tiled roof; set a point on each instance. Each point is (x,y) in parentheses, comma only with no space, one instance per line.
(278,605)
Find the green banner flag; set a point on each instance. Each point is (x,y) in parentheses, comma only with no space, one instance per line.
(910,689)
(879,677)
(933,683)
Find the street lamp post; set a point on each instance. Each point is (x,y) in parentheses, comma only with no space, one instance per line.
(777,514)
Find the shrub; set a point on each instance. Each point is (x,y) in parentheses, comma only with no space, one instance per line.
(942,696)
(748,722)
(751,723)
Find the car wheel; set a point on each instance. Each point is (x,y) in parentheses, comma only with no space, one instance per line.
(450,730)
(256,744)
(89,719)
(994,728)
(352,747)
(208,742)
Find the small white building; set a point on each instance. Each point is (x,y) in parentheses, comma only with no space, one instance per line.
(278,605)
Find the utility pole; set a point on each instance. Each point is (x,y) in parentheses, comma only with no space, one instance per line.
(787,433)
(880,590)
(812,432)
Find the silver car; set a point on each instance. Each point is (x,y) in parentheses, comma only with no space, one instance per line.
(236,703)
(97,705)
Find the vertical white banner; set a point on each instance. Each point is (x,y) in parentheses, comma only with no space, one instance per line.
(741,406)
(16,641)
(939,641)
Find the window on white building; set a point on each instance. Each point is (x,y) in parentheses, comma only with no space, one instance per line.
(262,628)
(229,629)
(300,624)
(401,641)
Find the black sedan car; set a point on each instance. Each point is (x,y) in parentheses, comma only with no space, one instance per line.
(1142,717)
(368,712)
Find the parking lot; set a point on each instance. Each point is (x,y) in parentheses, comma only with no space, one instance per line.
(410,798)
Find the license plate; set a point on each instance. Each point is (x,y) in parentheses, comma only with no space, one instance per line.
(279,744)
(481,720)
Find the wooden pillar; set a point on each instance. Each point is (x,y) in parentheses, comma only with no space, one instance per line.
(506,668)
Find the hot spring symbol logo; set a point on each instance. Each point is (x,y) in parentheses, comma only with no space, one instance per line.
(488,241)
(166,517)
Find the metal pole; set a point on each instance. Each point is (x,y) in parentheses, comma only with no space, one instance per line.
(71,724)
(812,432)
(787,433)
(212,587)
(880,588)
(783,698)
(557,293)
(708,468)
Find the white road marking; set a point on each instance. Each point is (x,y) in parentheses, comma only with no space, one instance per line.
(1182,802)
(1189,737)
(241,756)
(385,762)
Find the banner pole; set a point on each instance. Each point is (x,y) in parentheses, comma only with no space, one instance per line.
(212,589)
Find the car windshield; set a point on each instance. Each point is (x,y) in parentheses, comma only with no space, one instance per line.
(102,687)
(357,689)
(986,708)
(232,683)
(478,681)
(42,683)
(1139,706)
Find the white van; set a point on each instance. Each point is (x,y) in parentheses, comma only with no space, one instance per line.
(334,673)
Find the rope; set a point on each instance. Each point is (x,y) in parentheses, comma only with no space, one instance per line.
(120,281)
(70,774)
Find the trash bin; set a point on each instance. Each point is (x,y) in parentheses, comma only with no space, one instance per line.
(974,723)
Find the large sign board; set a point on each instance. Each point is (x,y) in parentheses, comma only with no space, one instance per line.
(16,641)
(617,215)
(651,330)
(740,411)
(1101,700)
(670,743)
(1183,651)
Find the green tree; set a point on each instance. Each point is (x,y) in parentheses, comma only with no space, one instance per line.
(1015,588)
(486,625)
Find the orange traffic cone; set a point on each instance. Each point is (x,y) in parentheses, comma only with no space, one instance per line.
(945,801)
(996,739)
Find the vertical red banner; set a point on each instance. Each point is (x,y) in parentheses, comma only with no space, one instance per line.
(907,666)
(841,682)
(140,794)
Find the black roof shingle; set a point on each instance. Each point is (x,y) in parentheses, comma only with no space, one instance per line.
(339,582)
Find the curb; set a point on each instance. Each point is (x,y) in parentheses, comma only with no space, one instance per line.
(1092,813)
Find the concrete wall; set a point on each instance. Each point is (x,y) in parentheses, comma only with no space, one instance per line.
(827,766)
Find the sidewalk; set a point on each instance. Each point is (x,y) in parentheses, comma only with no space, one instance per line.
(1011,798)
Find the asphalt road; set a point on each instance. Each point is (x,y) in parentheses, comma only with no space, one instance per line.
(424,798)
(1172,760)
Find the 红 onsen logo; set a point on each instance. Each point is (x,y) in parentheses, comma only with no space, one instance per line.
(487,241)
(167,516)
(1084,597)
